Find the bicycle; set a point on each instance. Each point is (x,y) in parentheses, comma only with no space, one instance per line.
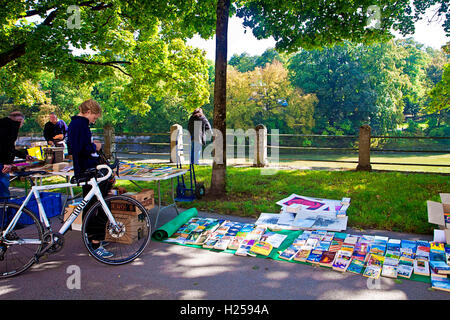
(23,244)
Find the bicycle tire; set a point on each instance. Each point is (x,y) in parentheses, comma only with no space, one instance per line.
(126,245)
(17,258)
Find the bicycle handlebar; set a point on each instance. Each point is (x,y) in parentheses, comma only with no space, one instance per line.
(105,177)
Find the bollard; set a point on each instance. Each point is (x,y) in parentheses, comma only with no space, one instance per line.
(364,149)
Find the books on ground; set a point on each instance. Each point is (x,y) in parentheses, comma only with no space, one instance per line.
(405,270)
(356,266)
(421,267)
(261,247)
(440,283)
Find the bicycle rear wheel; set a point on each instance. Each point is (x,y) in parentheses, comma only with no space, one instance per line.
(125,244)
(18,248)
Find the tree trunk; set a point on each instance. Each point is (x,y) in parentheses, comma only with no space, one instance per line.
(218,177)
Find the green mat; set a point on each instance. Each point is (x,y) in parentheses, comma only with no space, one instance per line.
(173,225)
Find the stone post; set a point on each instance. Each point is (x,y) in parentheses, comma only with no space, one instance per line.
(176,143)
(364,149)
(260,146)
(109,145)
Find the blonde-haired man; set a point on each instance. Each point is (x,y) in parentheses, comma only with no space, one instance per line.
(83,149)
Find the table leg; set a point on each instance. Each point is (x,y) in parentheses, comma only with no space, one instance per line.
(173,197)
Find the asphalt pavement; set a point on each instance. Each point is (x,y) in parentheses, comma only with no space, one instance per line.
(173,272)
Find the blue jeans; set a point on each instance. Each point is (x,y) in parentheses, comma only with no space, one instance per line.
(196,151)
(4,183)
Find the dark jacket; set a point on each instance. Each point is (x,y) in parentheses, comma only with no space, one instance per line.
(198,131)
(81,145)
(51,130)
(9,130)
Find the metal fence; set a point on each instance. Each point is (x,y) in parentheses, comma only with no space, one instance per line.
(344,149)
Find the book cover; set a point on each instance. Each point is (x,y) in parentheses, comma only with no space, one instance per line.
(356,266)
(408,249)
(421,267)
(312,242)
(244,248)
(261,247)
(372,271)
(275,239)
(327,259)
(438,247)
(256,233)
(235,243)
(299,242)
(193,237)
(440,267)
(392,254)
(245,230)
(315,256)
(391,261)
(393,245)
(378,248)
(440,283)
(351,239)
(302,254)
(375,260)
(423,250)
(389,271)
(288,253)
(211,241)
(437,256)
(342,260)
(405,271)
(268,219)
(323,245)
(360,251)
(223,242)
(335,245)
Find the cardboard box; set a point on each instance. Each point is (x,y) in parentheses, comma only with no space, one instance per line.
(437,213)
(76,225)
(58,166)
(135,228)
(145,197)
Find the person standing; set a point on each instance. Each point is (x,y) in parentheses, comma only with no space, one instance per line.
(198,125)
(9,130)
(83,149)
(55,131)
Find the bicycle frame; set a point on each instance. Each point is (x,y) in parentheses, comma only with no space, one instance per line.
(95,191)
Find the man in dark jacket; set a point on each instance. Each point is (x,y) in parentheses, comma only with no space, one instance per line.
(55,131)
(83,149)
(9,130)
(198,125)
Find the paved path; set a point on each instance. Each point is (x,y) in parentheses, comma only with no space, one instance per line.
(173,272)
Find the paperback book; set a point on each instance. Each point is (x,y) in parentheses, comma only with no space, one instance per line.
(405,271)
(421,267)
(356,266)
(440,283)
(372,271)
(288,253)
(261,247)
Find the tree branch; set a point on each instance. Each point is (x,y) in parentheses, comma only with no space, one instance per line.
(108,64)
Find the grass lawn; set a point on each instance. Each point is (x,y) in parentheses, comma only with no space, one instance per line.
(393,201)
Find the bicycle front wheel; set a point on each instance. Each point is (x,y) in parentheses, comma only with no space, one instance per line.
(116,246)
(18,247)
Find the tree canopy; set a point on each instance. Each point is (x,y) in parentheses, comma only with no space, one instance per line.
(140,42)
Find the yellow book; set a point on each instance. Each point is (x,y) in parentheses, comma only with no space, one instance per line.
(261,247)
